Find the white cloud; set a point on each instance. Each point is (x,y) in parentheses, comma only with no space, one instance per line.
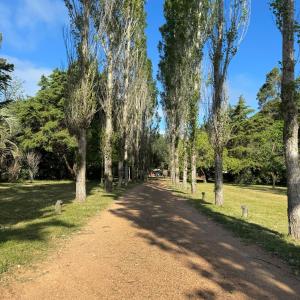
(28,73)
(26,21)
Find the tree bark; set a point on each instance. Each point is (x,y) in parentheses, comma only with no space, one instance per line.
(193,171)
(218,99)
(126,171)
(125,104)
(81,167)
(204,175)
(290,112)
(185,170)
(172,160)
(71,170)
(177,179)
(120,173)
(108,129)
(219,199)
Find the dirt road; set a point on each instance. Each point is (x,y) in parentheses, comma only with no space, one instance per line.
(152,245)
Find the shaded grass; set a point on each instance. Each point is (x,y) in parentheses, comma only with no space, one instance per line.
(28,224)
(266,224)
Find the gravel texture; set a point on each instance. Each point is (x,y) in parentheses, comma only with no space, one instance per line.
(152,245)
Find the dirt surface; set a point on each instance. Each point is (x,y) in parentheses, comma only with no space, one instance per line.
(152,245)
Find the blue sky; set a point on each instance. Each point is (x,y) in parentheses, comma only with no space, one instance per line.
(33,41)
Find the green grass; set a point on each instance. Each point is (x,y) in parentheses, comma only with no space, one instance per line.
(29,226)
(267,223)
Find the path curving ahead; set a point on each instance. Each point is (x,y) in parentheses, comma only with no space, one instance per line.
(153,245)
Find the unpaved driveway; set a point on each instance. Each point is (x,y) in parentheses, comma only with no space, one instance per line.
(152,245)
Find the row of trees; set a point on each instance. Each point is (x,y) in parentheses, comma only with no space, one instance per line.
(191,27)
(101,110)
(109,36)
(213,30)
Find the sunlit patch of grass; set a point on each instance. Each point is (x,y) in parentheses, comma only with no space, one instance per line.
(28,223)
(267,223)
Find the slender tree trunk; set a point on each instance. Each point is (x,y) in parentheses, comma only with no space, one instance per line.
(108,129)
(219,199)
(172,160)
(30,176)
(290,112)
(120,173)
(193,170)
(129,174)
(126,167)
(218,99)
(274,178)
(71,170)
(177,173)
(204,175)
(133,173)
(108,155)
(125,105)
(81,167)
(185,169)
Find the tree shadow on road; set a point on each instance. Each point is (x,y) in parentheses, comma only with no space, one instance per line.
(177,228)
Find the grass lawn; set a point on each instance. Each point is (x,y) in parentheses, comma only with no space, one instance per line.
(266,224)
(28,224)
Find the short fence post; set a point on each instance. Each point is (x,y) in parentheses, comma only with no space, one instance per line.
(203,196)
(245,211)
(58,206)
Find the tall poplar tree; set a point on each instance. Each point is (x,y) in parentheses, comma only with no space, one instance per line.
(285,17)
(184,36)
(231,19)
(82,77)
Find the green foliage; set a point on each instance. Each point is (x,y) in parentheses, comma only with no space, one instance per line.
(5,70)
(255,149)
(42,117)
(205,153)
(269,94)
(43,123)
(160,151)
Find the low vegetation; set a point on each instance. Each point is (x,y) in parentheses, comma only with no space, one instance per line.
(267,223)
(29,225)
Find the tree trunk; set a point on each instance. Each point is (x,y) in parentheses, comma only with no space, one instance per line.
(219,199)
(108,129)
(185,169)
(71,170)
(172,160)
(125,104)
(108,155)
(274,179)
(129,174)
(126,173)
(81,166)
(120,173)
(177,179)
(193,171)
(30,175)
(290,112)
(204,176)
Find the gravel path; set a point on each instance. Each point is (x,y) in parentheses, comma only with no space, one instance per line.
(152,245)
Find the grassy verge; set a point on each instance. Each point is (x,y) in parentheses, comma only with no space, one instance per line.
(266,224)
(28,224)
